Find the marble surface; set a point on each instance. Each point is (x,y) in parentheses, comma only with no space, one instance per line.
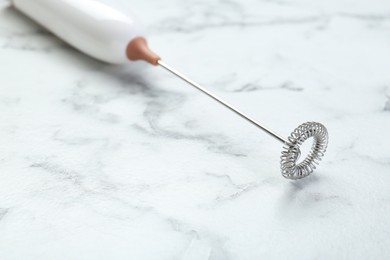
(128,162)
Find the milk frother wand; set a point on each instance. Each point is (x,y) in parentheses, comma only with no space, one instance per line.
(110,35)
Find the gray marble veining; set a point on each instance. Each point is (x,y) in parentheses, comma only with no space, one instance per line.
(128,162)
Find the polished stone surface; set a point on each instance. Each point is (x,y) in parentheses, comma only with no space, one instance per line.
(128,162)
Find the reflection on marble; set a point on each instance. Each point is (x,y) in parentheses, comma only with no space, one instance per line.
(128,162)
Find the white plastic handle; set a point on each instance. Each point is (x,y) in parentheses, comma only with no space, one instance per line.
(88,25)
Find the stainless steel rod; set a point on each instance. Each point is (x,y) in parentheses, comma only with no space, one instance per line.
(232,108)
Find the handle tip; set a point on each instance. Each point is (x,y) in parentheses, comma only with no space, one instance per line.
(138,49)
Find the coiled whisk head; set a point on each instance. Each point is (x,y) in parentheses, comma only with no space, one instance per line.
(291,152)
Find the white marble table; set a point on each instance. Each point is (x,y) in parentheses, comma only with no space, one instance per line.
(128,162)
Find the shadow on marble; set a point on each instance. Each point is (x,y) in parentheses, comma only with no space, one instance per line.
(297,187)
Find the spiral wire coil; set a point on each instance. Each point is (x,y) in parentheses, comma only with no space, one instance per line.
(291,152)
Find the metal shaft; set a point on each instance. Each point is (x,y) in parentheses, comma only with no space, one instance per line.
(232,108)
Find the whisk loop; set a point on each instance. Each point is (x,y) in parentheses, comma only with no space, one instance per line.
(291,152)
